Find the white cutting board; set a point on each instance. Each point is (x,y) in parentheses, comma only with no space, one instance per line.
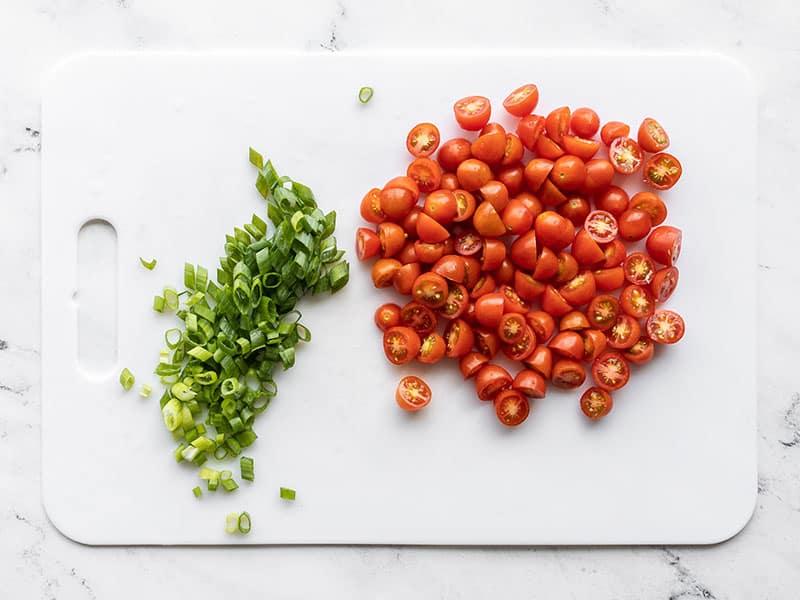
(157,145)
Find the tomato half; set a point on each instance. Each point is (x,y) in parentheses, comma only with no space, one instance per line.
(601,226)
(651,136)
(568,173)
(529,129)
(568,374)
(634,225)
(567,343)
(664,244)
(504,274)
(665,327)
(522,101)
(554,303)
(495,193)
(637,301)
(459,338)
(423,139)
(405,182)
(553,230)
(472,174)
(468,243)
(387,316)
(456,303)
(624,332)
(513,177)
(580,147)
(383,271)
(465,205)
(613,130)
(567,268)
(573,321)
(625,155)
(490,380)
(610,371)
(487,221)
(494,252)
(615,253)
(651,204)
(405,277)
(603,311)
(450,267)
(541,361)
(484,285)
(392,238)
(418,317)
(546,265)
(596,403)
(530,383)
(400,344)
(548,148)
(472,112)
(489,309)
(430,289)
(472,271)
(584,122)
(580,289)
(614,200)
(368,243)
(428,253)
(599,174)
(608,280)
(511,408)
(527,287)
(662,171)
(513,151)
(371,207)
(471,363)
(449,182)
(490,147)
(594,343)
(586,251)
(426,173)
(523,347)
(431,349)
(487,342)
(536,172)
(639,268)
(557,123)
(412,393)
(664,283)
(396,202)
(517,218)
(523,251)
(453,152)
(641,352)
(576,209)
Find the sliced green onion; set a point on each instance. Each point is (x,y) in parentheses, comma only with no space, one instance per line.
(197,491)
(145,391)
(148,264)
(182,392)
(365,94)
(126,379)
(171,298)
(243,524)
(246,467)
(212,485)
(232,523)
(288,494)
(171,412)
(158,303)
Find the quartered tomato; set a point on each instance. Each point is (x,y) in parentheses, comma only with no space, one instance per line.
(613,130)
(568,374)
(368,243)
(430,289)
(412,393)
(387,316)
(530,383)
(522,101)
(651,204)
(664,244)
(371,207)
(584,122)
(523,347)
(610,371)
(511,407)
(624,332)
(651,136)
(490,380)
(400,344)
(472,112)
(641,351)
(625,155)
(471,363)
(665,327)
(456,303)
(664,283)
(453,152)
(459,338)
(662,171)
(487,342)
(603,311)
(423,139)
(541,361)
(596,403)
(639,268)
(637,301)
(418,317)
(601,226)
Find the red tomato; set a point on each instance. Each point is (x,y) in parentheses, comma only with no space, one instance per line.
(530,383)
(400,344)
(640,352)
(584,122)
(387,316)
(541,361)
(371,207)
(471,363)
(553,230)
(596,403)
(487,342)
(567,343)
(651,136)
(513,151)
(449,182)
(662,171)
(585,250)
(431,349)
(665,327)
(637,301)
(396,202)
(430,289)
(527,287)
(610,371)
(625,155)
(490,380)
(465,205)
(472,174)
(639,268)
(441,205)
(651,204)
(613,130)
(406,276)
(664,283)
(489,309)
(568,373)
(603,311)
(624,332)
(429,230)
(494,193)
(608,280)
(599,174)
(472,112)
(367,243)
(517,218)
(664,244)
(580,147)
(567,268)
(513,177)
(523,347)
(412,393)
(594,343)
(428,253)
(494,252)
(557,123)
(459,338)
(546,265)
(548,148)
(410,222)
(615,253)
(580,289)
(504,274)
(383,271)
(576,209)
(531,202)
(529,129)
(542,324)
(472,271)
(426,173)
(392,238)
(487,221)
(568,173)
(453,153)
(456,303)
(614,200)
(551,195)
(523,251)
(418,317)
(522,101)
(468,243)
(601,226)
(406,183)
(573,321)
(511,300)
(490,147)
(634,225)
(484,285)
(536,172)
(423,139)
(511,408)
(554,303)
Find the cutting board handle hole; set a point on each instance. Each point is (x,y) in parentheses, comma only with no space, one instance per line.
(95,300)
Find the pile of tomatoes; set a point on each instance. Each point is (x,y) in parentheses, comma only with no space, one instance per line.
(525,253)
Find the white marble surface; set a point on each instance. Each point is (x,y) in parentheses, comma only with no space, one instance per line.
(761,562)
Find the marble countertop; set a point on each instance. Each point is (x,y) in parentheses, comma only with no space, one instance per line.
(761,562)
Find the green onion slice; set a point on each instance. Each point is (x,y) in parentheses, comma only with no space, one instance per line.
(148,264)
(365,94)
(231,523)
(288,494)
(126,379)
(243,524)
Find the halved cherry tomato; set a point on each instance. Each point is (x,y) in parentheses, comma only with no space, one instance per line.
(504,274)
(400,344)
(568,373)
(513,177)
(567,343)
(531,202)
(530,383)
(406,183)
(494,252)
(529,129)
(596,403)
(426,173)
(396,202)
(624,332)
(651,204)
(489,309)
(568,173)
(511,300)
(453,152)
(553,230)
(554,303)
(487,221)
(527,287)
(410,222)
(517,218)
(431,349)
(541,361)
(651,136)
(468,243)
(639,268)
(523,347)
(641,352)
(367,243)
(487,342)
(472,112)
(392,238)
(625,155)
(511,408)
(383,271)
(406,276)
(423,139)
(472,174)
(557,123)
(459,338)
(615,253)
(603,311)
(664,283)
(449,182)
(536,172)
(585,250)
(431,231)
(613,130)
(430,289)
(418,317)
(567,268)
(484,285)
(371,207)
(601,226)
(471,363)
(580,147)
(490,380)
(580,289)
(576,209)
(634,225)
(546,265)
(513,151)
(608,280)
(465,205)
(662,171)
(665,327)
(490,147)
(450,267)
(387,315)
(522,101)
(637,301)
(412,393)
(664,244)
(574,320)
(599,174)
(472,271)
(456,303)
(551,195)
(584,122)
(548,148)
(523,251)
(542,324)
(495,193)
(594,343)
(610,371)
(614,200)
(428,253)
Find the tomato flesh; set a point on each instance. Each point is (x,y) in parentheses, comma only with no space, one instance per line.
(412,393)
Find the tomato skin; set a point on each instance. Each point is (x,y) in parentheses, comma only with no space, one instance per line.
(624,332)
(553,230)
(429,230)
(400,344)
(513,177)
(431,349)
(472,112)
(594,343)
(495,193)
(511,300)
(650,203)
(641,352)
(490,380)
(450,267)
(580,289)
(573,321)
(504,274)
(530,383)
(613,130)
(371,207)
(639,268)
(610,371)
(625,155)
(536,172)
(568,374)
(529,130)
(511,408)
(513,151)
(471,363)
(392,238)
(662,171)
(664,283)
(580,147)
(541,361)
(554,303)
(614,200)
(472,174)
(542,324)
(596,403)
(459,338)
(387,316)
(516,217)
(557,123)
(410,222)
(599,174)
(489,309)
(567,343)
(441,206)
(568,173)
(449,182)
(494,252)
(651,136)
(548,148)
(608,280)
(634,225)
(485,285)
(637,301)
(465,205)
(664,244)
(490,147)
(405,277)
(665,327)
(576,209)
(453,152)
(584,122)
(428,253)
(487,342)
(487,221)
(404,182)
(472,271)
(522,348)
(418,317)
(523,251)
(603,311)
(412,393)
(527,287)
(430,289)
(531,202)
(383,272)
(586,251)
(368,243)
(615,253)
(522,101)
(396,202)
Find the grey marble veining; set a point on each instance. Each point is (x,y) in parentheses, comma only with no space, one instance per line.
(761,562)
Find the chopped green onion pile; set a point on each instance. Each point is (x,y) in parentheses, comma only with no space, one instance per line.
(148,264)
(126,379)
(365,94)
(288,493)
(238,327)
